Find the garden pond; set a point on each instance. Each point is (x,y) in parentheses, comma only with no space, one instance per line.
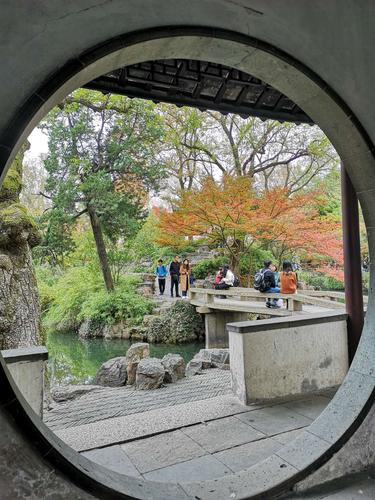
(76,361)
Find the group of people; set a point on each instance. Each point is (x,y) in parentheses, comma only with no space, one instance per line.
(267,280)
(224,278)
(275,282)
(180,274)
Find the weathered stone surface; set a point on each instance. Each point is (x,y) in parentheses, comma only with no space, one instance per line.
(112,373)
(137,333)
(174,366)
(68,392)
(134,354)
(194,367)
(180,323)
(213,358)
(150,374)
(90,329)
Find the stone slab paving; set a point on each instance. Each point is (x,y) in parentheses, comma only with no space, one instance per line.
(105,403)
(114,459)
(121,429)
(222,434)
(213,449)
(274,420)
(197,469)
(246,455)
(161,451)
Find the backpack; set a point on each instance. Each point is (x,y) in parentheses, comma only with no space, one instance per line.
(259,282)
(236,281)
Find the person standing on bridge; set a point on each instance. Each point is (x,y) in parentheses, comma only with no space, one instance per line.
(185,278)
(161,274)
(174,272)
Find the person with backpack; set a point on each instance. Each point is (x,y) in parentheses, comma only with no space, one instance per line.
(264,282)
(288,278)
(161,274)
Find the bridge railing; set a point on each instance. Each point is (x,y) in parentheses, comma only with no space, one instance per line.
(206,297)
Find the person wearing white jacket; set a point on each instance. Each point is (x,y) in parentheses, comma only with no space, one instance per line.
(227,280)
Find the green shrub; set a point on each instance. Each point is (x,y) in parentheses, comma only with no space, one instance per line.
(320,281)
(365,281)
(46,280)
(79,294)
(208,266)
(124,304)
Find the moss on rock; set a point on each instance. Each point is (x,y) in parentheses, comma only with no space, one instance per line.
(180,324)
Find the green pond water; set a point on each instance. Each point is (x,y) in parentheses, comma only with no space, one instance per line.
(75,361)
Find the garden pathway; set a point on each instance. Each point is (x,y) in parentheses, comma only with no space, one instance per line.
(192,430)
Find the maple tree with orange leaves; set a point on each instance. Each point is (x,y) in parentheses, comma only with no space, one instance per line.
(231,215)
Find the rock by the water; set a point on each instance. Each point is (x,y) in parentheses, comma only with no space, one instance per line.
(174,366)
(134,355)
(112,373)
(194,367)
(150,374)
(137,333)
(180,323)
(90,329)
(68,392)
(208,358)
(216,357)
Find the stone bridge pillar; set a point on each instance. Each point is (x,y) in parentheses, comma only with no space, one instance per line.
(216,327)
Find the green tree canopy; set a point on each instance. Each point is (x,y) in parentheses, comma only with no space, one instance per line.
(103,160)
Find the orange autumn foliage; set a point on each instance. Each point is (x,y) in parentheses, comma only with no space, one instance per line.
(231,214)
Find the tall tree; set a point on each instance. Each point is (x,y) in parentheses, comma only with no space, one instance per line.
(274,154)
(230,214)
(97,142)
(20,318)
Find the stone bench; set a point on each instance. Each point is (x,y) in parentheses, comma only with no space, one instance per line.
(289,356)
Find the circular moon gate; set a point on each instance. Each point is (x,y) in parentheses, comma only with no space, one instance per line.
(342,417)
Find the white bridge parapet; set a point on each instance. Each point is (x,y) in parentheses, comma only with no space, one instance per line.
(221,307)
(282,357)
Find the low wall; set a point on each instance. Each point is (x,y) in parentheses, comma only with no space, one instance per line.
(287,356)
(26,366)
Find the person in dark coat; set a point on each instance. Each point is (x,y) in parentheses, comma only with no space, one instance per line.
(174,272)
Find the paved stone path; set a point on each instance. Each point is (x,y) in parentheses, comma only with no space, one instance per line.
(104,403)
(210,449)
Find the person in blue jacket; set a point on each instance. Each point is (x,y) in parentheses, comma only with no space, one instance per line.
(161,274)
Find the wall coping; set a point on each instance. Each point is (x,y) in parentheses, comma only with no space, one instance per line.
(285,322)
(25,354)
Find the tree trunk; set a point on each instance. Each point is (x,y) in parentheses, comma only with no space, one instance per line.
(235,264)
(20,317)
(100,247)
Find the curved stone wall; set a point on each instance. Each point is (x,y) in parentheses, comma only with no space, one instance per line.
(343,417)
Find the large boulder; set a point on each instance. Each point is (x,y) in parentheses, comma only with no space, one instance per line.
(194,367)
(134,355)
(217,358)
(208,358)
(112,373)
(150,374)
(174,366)
(180,323)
